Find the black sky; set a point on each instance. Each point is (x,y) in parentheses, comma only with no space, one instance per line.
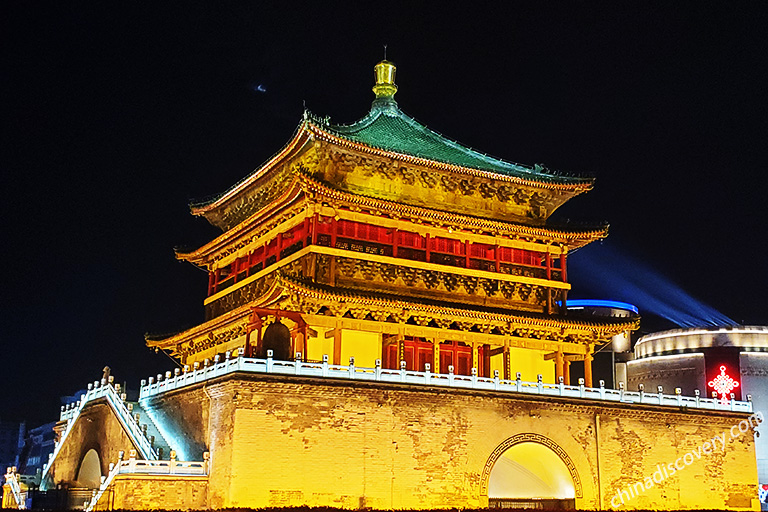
(114,118)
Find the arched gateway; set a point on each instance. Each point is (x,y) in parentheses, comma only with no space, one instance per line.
(530,471)
(89,472)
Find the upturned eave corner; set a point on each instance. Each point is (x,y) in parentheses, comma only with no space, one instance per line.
(208,209)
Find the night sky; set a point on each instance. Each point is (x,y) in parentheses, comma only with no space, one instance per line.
(115,118)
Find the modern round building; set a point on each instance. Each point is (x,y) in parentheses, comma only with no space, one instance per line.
(607,308)
(723,360)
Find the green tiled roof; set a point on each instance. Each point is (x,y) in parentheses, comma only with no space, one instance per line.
(389,128)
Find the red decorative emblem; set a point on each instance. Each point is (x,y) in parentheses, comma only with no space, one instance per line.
(723,384)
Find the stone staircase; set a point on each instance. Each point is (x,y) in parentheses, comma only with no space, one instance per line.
(160,445)
(150,442)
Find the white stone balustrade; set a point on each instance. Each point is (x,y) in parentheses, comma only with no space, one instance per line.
(147,467)
(104,390)
(202,373)
(324,370)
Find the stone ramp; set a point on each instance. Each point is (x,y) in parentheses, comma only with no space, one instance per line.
(159,443)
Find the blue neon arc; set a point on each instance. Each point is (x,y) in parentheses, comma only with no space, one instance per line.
(598,303)
(606,271)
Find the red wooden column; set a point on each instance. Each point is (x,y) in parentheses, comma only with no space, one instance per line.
(558,365)
(305,232)
(563,269)
(486,360)
(497,255)
(334,227)
(264,257)
(211,282)
(337,343)
(395,234)
(299,339)
(548,260)
(251,261)
(259,326)
(314,229)
(564,276)
(467,246)
(588,370)
(426,246)
(255,323)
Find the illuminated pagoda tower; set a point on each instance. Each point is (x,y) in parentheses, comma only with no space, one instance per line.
(384,240)
(386,328)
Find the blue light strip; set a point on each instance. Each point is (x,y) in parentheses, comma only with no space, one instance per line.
(596,303)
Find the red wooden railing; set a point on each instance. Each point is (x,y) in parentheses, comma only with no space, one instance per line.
(373,239)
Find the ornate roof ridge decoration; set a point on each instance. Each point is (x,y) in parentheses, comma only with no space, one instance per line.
(329,133)
(294,287)
(388,128)
(387,131)
(598,231)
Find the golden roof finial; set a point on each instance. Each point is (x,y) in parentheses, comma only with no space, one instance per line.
(384,72)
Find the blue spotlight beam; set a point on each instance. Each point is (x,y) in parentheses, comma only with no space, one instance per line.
(607,271)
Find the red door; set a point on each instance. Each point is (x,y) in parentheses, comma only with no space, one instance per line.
(457,354)
(417,353)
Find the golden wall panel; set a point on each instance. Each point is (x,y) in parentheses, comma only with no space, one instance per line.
(290,443)
(153,492)
(284,441)
(424,186)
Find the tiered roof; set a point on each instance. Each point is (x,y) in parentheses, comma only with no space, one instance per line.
(388,128)
(390,167)
(573,235)
(312,298)
(386,131)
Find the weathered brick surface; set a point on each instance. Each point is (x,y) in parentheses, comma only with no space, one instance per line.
(142,492)
(288,441)
(283,441)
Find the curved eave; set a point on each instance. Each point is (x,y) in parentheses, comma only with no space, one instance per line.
(170,342)
(579,238)
(274,293)
(331,138)
(291,194)
(299,140)
(606,329)
(283,287)
(303,183)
